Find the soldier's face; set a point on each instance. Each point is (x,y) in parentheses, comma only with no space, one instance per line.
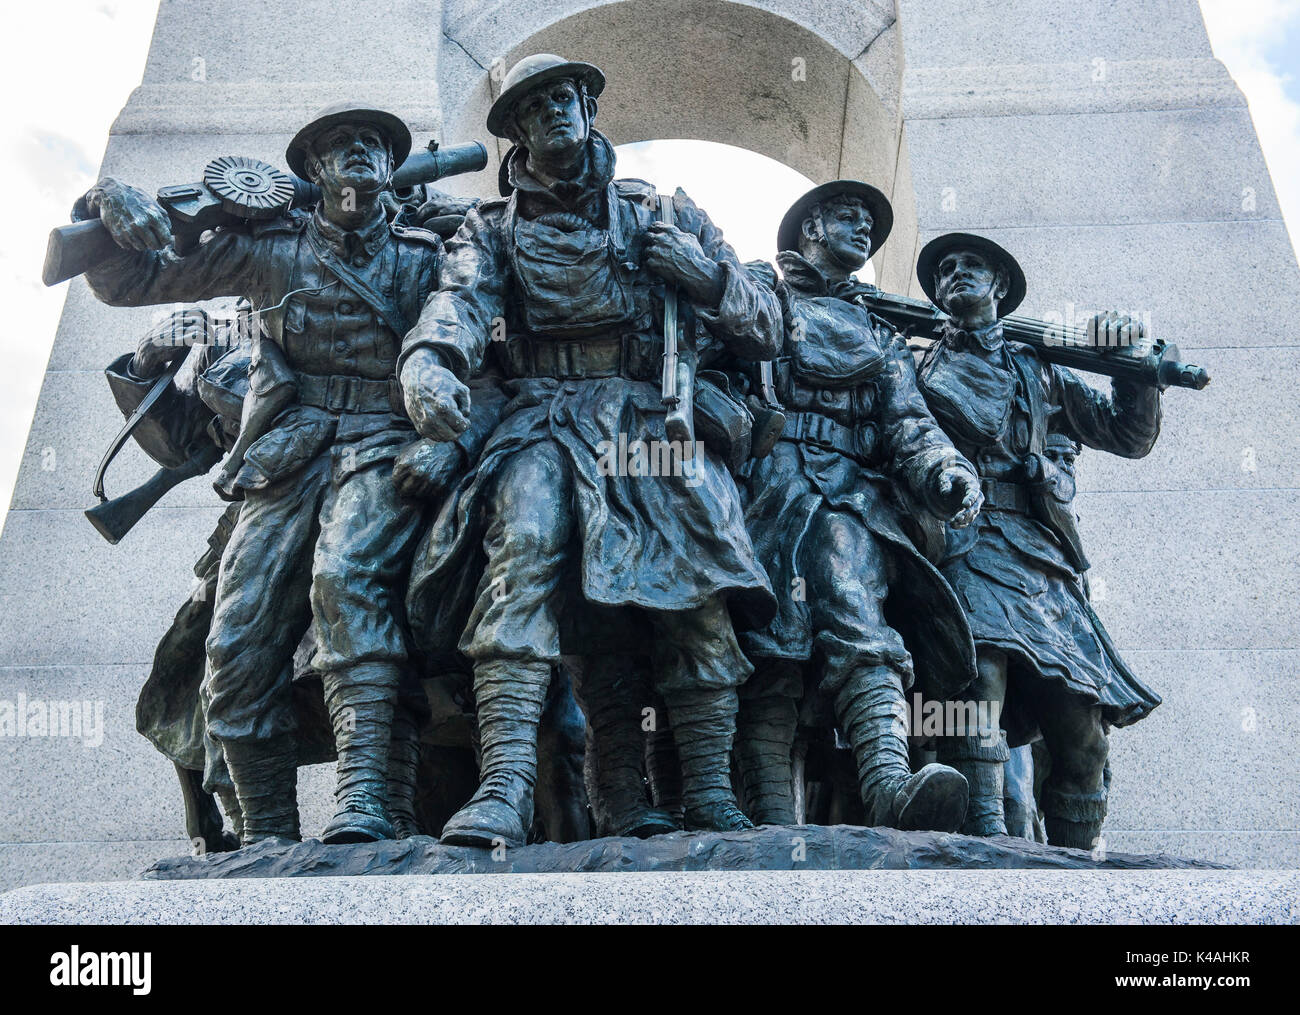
(552,121)
(967,281)
(353,155)
(846,232)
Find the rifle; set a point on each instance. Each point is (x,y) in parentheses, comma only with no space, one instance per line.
(236,189)
(678,386)
(114,518)
(1077,348)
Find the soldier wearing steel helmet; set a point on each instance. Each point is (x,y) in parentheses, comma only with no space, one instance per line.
(824,512)
(570,271)
(1040,648)
(324,537)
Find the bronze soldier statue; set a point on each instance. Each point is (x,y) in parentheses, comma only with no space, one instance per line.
(570,272)
(323,537)
(827,522)
(1040,647)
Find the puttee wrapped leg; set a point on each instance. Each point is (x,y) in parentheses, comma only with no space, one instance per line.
(981,759)
(704,726)
(509,698)
(872,714)
(1073,819)
(265,774)
(360,700)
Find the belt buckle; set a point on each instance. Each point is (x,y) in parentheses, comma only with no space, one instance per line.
(820,430)
(338,393)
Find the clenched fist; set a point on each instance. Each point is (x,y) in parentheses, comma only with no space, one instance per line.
(436,401)
(425,469)
(957,494)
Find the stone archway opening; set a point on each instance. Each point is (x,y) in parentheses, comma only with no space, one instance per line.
(822,102)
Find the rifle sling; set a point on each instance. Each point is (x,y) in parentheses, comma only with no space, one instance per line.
(133,421)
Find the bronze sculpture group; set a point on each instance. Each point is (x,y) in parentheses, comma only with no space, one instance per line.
(549,518)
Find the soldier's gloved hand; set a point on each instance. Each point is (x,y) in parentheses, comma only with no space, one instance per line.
(425,469)
(1120,334)
(132,217)
(436,401)
(169,339)
(958,496)
(676,256)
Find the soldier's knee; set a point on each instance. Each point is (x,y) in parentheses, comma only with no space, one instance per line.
(535,534)
(1080,756)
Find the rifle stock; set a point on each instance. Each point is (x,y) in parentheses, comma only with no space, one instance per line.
(114,518)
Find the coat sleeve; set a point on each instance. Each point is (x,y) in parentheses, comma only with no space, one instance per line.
(458,318)
(915,446)
(223,266)
(748,317)
(1125,423)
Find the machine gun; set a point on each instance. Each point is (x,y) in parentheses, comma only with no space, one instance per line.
(1069,347)
(235,189)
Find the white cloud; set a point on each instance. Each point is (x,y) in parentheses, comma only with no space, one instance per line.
(67,67)
(1250,37)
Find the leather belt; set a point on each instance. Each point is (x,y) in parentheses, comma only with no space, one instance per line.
(1005,496)
(627,356)
(823,432)
(342,393)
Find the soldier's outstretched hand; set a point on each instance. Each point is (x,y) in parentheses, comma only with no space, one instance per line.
(958,493)
(132,217)
(437,402)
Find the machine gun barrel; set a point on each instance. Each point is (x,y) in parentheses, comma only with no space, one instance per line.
(1068,347)
(427,165)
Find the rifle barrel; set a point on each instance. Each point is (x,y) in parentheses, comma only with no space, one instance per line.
(1068,347)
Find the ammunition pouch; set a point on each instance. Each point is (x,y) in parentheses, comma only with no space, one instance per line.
(297,439)
(722,421)
(1053,508)
(822,432)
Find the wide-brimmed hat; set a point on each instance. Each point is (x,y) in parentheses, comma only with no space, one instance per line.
(392,127)
(939,247)
(536,70)
(882,212)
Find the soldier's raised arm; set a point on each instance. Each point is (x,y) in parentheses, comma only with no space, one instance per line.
(1125,423)
(148,271)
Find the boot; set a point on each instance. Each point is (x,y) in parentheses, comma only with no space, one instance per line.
(982,760)
(664,771)
(704,725)
(765,729)
(1074,819)
(509,697)
(871,712)
(230,804)
(403,767)
(615,756)
(265,774)
(360,701)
